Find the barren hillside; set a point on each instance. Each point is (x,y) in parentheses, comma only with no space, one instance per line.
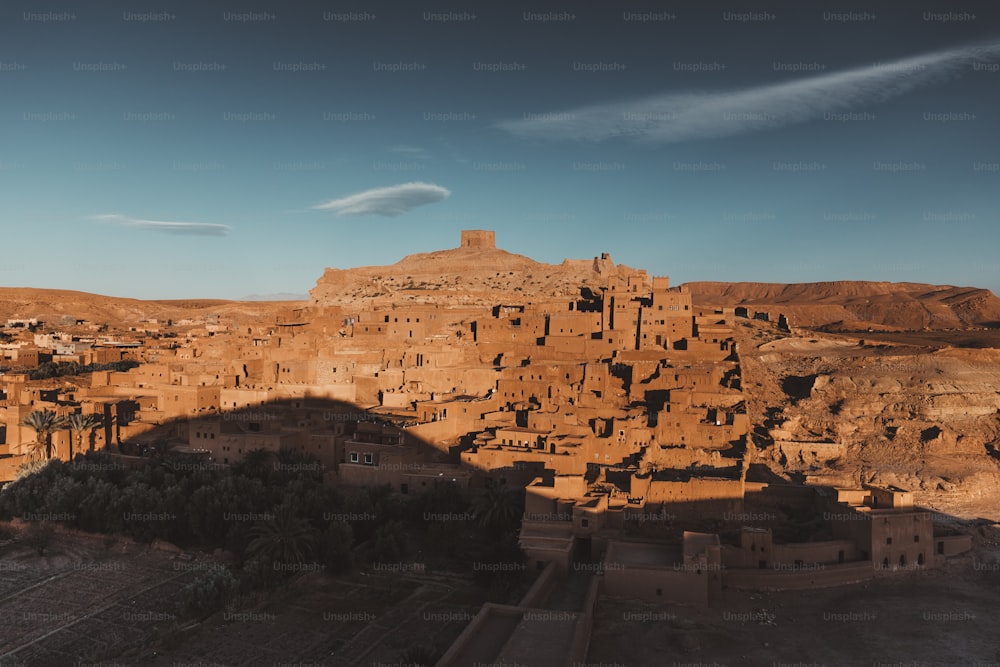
(845,412)
(53,305)
(855,304)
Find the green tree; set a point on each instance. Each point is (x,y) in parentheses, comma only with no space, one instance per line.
(77,423)
(497,509)
(390,542)
(283,539)
(258,463)
(45,423)
(336,547)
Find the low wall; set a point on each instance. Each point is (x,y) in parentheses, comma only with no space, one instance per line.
(805,577)
(542,586)
(815,552)
(479,642)
(584,626)
(952,545)
(656,584)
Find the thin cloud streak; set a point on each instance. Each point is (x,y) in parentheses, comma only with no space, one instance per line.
(685,116)
(192,228)
(390,201)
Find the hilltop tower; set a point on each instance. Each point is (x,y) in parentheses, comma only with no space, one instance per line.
(479,238)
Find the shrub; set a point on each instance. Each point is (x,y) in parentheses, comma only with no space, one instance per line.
(208,593)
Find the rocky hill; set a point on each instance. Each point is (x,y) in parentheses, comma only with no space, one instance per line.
(841,411)
(465,275)
(853,305)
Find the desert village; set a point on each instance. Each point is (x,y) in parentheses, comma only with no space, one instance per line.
(619,410)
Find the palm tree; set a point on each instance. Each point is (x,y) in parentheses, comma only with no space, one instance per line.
(36,450)
(78,423)
(257,463)
(497,508)
(283,539)
(45,423)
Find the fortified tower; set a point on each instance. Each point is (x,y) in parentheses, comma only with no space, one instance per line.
(478,238)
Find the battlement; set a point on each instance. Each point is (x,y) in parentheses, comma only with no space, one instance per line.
(478,238)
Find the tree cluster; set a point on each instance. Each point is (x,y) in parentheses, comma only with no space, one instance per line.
(274,514)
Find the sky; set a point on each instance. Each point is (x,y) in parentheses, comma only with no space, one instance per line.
(181,149)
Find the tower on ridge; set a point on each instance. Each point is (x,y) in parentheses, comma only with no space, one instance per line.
(478,238)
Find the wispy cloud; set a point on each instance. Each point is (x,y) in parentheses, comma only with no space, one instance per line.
(415,152)
(699,115)
(195,228)
(390,201)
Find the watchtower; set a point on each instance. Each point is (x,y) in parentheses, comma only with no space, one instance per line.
(478,238)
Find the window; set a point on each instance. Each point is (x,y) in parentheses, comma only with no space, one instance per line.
(888,540)
(585,523)
(354,457)
(369,459)
(916,538)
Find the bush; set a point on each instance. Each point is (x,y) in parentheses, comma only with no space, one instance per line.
(39,536)
(208,593)
(7,532)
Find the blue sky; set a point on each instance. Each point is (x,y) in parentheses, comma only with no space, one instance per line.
(175,150)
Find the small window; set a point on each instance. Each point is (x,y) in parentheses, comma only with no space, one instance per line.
(585,523)
(916,538)
(369,459)
(354,457)
(888,540)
